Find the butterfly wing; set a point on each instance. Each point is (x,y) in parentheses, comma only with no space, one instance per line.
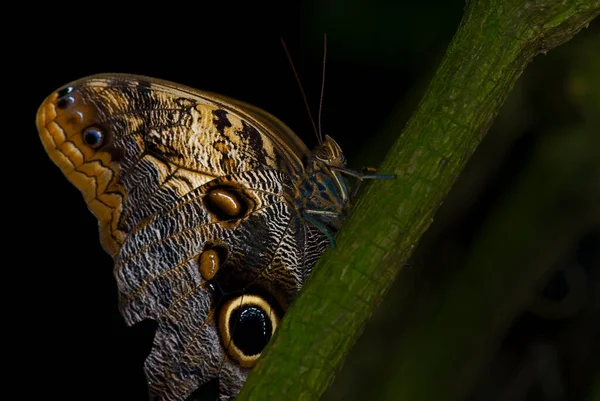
(195,198)
(160,140)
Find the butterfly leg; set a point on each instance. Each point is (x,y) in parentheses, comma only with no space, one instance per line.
(311,216)
(362,175)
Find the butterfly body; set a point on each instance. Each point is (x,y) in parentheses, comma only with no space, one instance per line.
(213,211)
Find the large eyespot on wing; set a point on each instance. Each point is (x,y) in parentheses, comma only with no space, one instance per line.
(246,324)
(75,139)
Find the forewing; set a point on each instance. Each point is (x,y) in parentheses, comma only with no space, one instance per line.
(160,141)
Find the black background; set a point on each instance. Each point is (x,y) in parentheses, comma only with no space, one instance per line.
(71,343)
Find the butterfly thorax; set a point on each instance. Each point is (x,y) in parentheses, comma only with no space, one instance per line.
(323,194)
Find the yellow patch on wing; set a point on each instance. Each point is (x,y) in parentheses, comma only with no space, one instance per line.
(92,172)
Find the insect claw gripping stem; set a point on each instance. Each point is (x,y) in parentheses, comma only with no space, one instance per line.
(362,176)
(308,216)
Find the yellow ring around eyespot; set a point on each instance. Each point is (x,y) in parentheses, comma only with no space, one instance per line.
(246,361)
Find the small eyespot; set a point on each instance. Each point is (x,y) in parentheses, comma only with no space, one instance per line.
(93,137)
(226,203)
(65,102)
(211,260)
(246,324)
(64,91)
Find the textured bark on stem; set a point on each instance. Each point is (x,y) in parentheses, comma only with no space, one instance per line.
(494,43)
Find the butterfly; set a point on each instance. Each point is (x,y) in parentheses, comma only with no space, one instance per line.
(213,210)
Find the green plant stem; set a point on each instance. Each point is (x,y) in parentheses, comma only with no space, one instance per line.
(494,43)
(460,323)
(595,391)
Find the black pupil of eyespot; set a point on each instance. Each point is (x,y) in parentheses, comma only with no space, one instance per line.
(251,329)
(93,137)
(65,91)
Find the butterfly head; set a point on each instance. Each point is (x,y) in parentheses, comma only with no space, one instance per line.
(324,191)
(327,159)
(329,153)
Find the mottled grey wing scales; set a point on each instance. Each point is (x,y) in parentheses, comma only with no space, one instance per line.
(157,271)
(167,242)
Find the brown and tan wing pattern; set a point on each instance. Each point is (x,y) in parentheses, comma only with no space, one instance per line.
(160,141)
(195,198)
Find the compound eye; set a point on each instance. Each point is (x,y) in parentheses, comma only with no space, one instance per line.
(247,323)
(93,137)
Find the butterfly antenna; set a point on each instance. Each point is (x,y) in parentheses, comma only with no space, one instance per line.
(322,87)
(312,120)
